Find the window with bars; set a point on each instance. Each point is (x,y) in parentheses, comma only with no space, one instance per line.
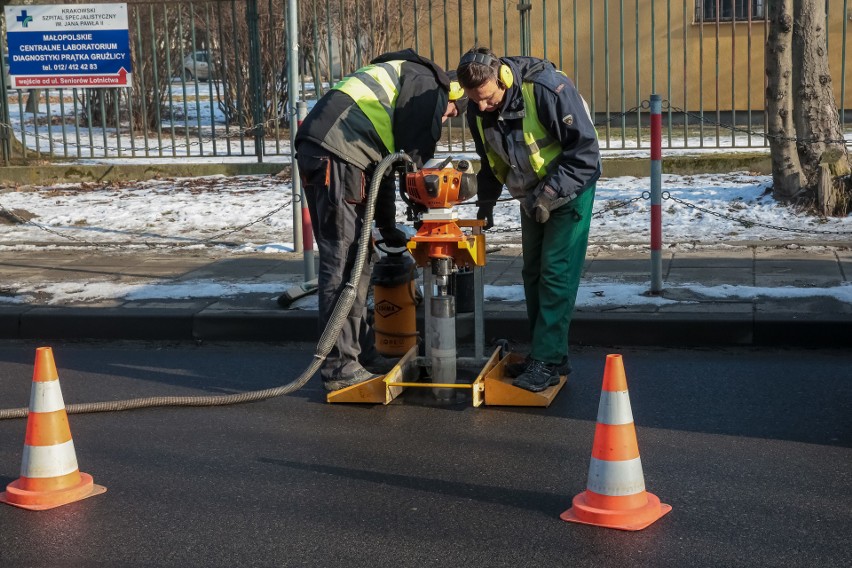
(727,10)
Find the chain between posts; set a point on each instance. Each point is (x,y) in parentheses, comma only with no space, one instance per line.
(748,224)
(744,222)
(620,204)
(23,221)
(208,241)
(495,230)
(621,114)
(667,196)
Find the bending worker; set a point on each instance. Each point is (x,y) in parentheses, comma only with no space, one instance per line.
(533,132)
(397,102)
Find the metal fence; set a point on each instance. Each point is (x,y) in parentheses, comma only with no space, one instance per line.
(211,77)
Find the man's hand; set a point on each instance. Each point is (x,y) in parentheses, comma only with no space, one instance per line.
(486,212)
(393,237)
(542,201)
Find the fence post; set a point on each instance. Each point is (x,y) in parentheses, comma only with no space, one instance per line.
(254,78)
(5,128)
(292,97)
(656,195)
(525,8)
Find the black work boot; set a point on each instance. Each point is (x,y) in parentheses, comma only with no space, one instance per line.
(564,366)
(537,376)
(379,364)
(515,369)
(342,381)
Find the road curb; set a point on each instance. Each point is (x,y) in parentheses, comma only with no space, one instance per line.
(106,323)
(660,329)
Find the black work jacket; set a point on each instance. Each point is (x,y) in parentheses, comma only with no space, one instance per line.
(561,110)
(337,123)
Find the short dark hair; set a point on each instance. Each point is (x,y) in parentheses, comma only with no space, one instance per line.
(478,66)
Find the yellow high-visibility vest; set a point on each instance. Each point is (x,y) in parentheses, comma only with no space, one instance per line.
(542,147)
(374,89)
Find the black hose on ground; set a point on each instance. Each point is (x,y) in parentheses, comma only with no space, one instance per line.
(326,341)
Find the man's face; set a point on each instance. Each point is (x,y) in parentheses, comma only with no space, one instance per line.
(488,97)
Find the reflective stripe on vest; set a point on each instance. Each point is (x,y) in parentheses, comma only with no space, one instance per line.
(541,147)
(374,89)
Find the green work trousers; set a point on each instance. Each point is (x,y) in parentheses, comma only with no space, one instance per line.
(554,253)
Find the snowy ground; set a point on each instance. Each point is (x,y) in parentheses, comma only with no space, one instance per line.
(255,214)
(710,210)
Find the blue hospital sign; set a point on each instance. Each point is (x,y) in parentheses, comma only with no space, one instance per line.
(69,45)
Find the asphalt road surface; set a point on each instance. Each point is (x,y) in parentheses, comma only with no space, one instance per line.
(752,448)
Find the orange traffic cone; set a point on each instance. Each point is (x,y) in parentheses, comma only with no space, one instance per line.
(49,473)
(615,495)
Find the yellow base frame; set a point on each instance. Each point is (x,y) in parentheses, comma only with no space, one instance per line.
(491,387)
(499,391)
(378,390)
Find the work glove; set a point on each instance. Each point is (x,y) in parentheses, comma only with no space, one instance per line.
(393,237)
(486,212)
(542,201)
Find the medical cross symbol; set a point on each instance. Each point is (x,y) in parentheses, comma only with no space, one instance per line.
(24,18)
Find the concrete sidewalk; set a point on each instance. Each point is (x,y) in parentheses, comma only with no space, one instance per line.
(744,295)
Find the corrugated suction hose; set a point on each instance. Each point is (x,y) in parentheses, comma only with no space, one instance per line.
(326,341)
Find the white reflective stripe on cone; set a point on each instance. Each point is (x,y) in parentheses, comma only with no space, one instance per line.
(46,397)
(616,478)
(615,408)
(49,461)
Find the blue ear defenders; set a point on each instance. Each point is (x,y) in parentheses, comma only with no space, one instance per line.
(504,73)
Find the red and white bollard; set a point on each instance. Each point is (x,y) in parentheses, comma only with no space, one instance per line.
(656,195)
(307,228)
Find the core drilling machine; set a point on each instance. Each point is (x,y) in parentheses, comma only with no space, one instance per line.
(444,245)
(441,247)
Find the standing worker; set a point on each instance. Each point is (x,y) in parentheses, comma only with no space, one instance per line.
(534,134)
(398,102)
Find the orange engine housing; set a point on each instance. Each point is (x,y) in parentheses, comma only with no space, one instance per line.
(440,188)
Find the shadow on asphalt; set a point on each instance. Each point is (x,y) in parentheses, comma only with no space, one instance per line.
(520,499)
(796,395)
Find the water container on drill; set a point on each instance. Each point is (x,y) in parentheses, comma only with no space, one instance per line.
(394,289)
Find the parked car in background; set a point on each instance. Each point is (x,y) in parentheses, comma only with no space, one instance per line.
(198,65)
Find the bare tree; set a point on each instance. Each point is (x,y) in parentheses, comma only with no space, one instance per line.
(340,36)
(161,34)
(236,63)
(787,177)
(335,37)
(810,163)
